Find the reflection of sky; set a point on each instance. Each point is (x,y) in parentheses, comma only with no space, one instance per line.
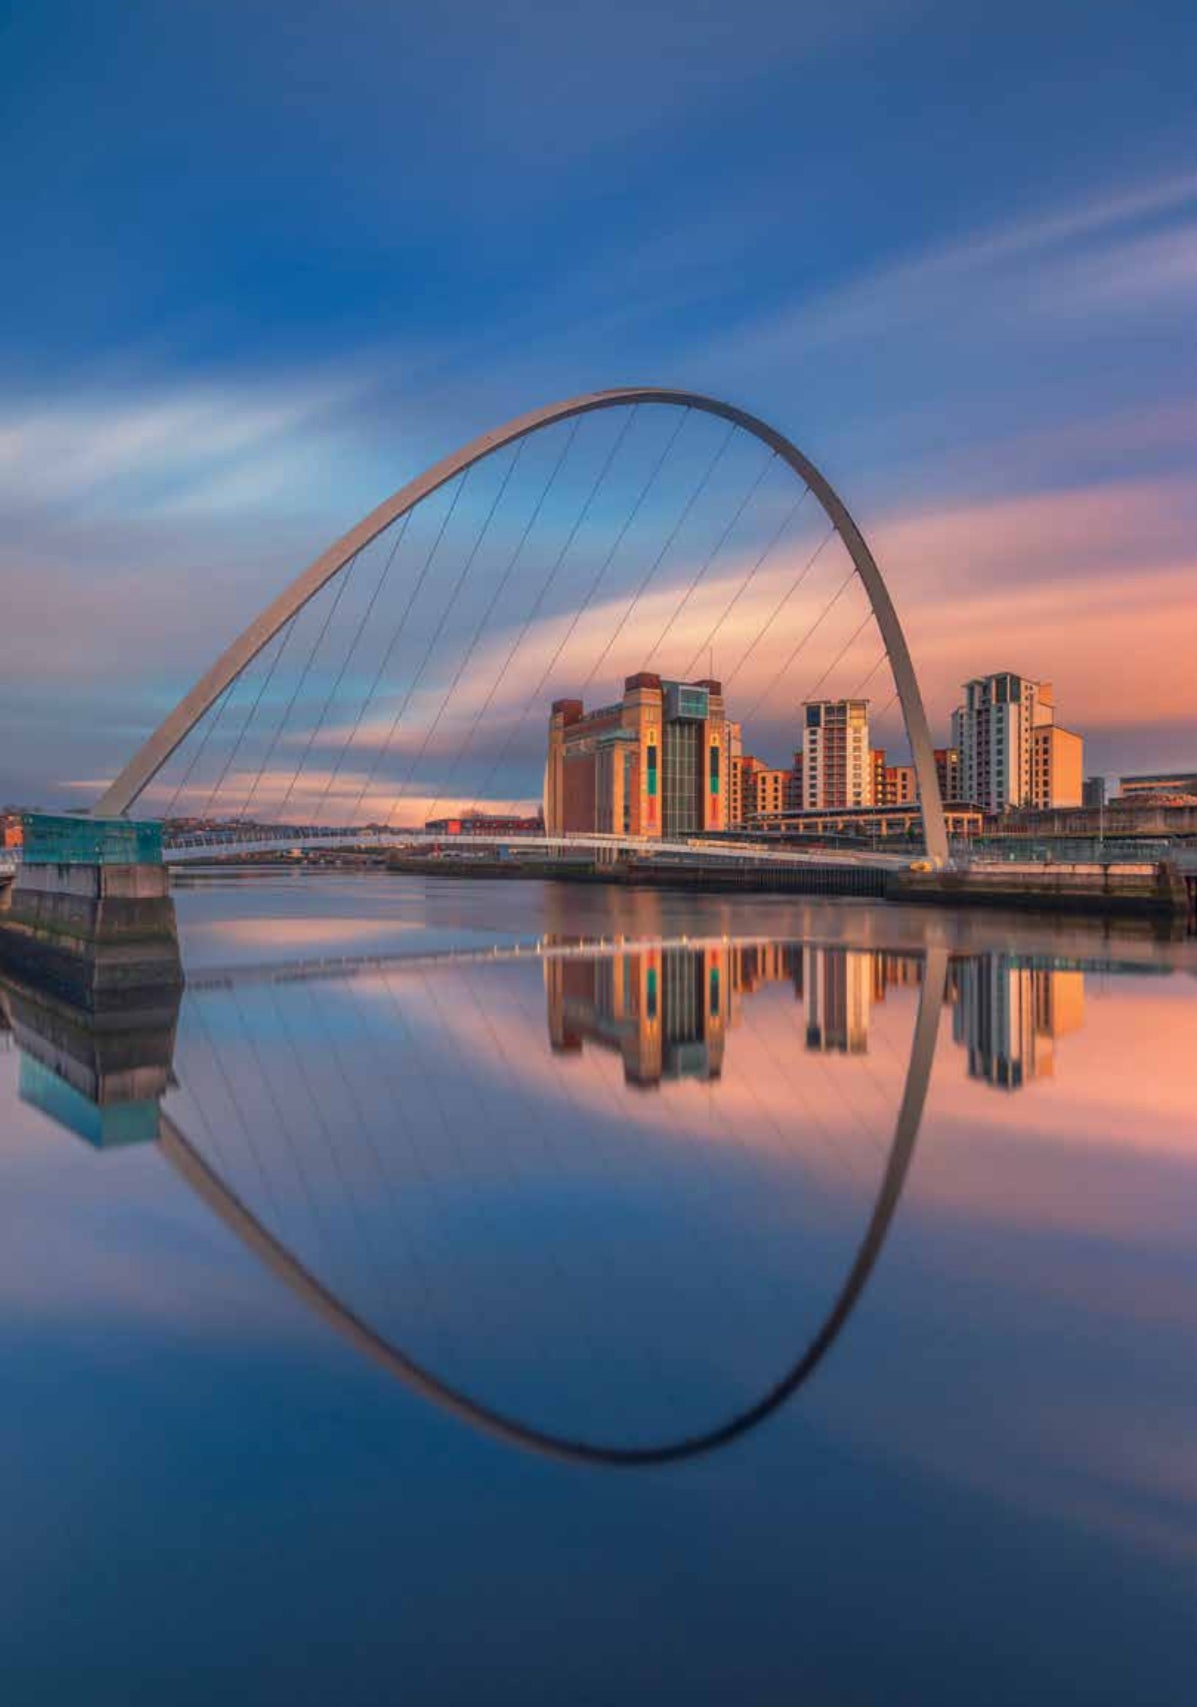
(1005,1426)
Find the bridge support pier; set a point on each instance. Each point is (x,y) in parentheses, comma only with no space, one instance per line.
(89,918)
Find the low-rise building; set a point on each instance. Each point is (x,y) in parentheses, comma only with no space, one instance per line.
(1158,785)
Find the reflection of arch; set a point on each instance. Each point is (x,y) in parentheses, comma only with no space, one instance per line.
(244,1223)
(149,759)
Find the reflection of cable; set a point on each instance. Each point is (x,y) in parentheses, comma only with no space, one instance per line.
(234,1213)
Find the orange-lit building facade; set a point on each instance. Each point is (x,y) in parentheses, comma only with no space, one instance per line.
(1057,763)
(836,762)
(1008,1014)
(667,1010)
(892,785)
(663,1010)
(655,764)
(947,769)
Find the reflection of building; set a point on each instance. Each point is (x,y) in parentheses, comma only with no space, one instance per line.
(838,987)
(1008,1016)
(652,765)
(663,1009)
(835,753)
(667,1011)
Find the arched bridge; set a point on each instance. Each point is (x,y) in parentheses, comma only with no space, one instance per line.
(410,659)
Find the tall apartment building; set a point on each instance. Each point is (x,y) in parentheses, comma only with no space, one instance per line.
(653,764)
(1012,751)
(836,768)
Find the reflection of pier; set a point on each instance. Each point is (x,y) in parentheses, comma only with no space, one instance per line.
(100,1076)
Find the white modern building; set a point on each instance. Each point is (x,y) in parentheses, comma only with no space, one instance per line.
(1012,752)
(837,765)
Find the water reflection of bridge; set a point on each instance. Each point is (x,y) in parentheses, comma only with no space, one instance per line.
(386,1146)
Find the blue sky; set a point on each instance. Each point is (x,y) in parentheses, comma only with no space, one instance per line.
(266,262)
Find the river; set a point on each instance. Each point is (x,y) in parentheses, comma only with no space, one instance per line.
(513,1292)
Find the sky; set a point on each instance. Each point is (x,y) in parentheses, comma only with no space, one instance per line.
(266,263)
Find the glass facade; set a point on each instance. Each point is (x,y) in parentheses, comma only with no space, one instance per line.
(62,839)
(680,813)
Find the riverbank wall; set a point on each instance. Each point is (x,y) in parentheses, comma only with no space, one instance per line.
(1146,890)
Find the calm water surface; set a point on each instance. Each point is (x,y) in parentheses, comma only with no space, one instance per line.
(483,1292)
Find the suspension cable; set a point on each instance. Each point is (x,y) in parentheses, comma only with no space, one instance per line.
(342,581)
(201,748)
(400,531)
(247,722)
(459,488)
(659,558)
(612,454)
(840,655)
(533,699)
(460,582)
(332,692)
(712,554)
(744,585)
(607,561)
(780,605)
(816,624)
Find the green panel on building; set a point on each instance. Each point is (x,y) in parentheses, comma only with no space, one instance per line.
(62,839)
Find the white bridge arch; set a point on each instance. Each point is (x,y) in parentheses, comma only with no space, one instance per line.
(144,766)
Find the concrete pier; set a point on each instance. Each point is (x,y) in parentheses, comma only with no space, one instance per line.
(1151,889)
(89,918)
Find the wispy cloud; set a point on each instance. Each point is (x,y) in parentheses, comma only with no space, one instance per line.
(188,446)
(1128,249)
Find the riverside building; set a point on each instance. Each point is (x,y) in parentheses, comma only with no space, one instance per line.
(655,763)
(836,764)
(1012,751)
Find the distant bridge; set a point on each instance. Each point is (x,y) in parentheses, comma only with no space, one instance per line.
(212,846)
(232,844)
